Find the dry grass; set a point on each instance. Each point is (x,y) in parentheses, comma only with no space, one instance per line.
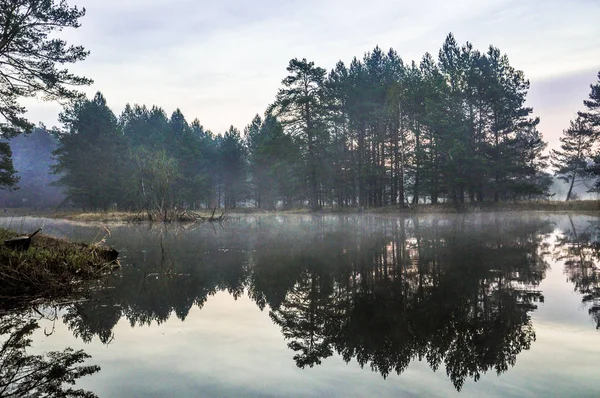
(205,214)
(50,267)
(98,216)
(122,216)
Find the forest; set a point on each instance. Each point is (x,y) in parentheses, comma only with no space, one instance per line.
(374,133)
(378,132)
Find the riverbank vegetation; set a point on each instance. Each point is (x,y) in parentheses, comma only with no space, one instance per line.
(50,267)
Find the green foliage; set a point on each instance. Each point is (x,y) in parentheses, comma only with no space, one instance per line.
(90,154)
(191,150)
(577,145)
(155,179)
(592,118)
(274,162)
(383,132)
(378,132)
(30,60)
(49,267)
(300,105)
(232,165)
(8,177)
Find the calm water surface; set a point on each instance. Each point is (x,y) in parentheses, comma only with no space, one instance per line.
(335,306)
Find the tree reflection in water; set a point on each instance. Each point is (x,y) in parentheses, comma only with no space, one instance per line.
(579,248)
(457,295)
(455,292)
(27,375)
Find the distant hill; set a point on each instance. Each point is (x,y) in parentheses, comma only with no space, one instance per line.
(32,158)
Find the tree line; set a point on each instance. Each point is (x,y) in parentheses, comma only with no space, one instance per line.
(375,133)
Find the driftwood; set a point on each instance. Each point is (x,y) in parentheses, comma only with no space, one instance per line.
(189,215)
(20,242)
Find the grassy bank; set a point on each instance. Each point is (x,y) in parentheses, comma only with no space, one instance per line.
(51,267)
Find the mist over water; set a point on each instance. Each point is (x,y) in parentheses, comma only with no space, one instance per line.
(489,304)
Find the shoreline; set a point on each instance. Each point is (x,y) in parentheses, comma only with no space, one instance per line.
(56,267)
(205,214)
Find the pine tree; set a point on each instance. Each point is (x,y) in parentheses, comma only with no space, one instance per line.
(300,106)
(570,162)
(592,117)
(29,56)
(274,161)
(90,155)
(232,163)
(257,162)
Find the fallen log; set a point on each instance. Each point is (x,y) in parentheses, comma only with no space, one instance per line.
(20,242)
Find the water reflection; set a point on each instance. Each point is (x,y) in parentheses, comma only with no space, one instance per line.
(383,292)
(578,246)
(450,295)
(27,375)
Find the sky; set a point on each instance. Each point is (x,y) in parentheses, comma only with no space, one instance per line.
(223,61)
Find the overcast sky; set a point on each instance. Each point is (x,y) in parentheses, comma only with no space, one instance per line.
(222,61)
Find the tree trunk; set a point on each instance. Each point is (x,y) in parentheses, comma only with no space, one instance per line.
(571,186)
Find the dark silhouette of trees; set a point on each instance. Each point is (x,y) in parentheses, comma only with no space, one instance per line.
(571,161)
(447,295)
(592,115)
(592,118)
(232,163)
(377,132)
(274,160)
(579,249)
(47,375)
(31,58)
(300,106)
(90,155)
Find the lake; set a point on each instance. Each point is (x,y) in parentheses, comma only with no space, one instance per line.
(486,305)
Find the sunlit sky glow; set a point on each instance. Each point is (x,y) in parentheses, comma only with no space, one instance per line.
(222,61)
